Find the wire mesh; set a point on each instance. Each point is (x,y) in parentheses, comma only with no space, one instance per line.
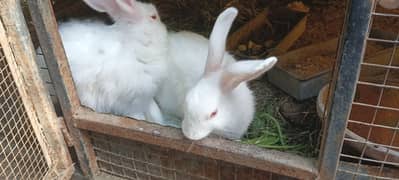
(134,160)
(372,135)
(21,156)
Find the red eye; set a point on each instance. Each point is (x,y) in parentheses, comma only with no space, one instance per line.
(213,114)
(154,17)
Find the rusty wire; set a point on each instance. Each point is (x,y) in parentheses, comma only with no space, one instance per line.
(21,156)
(385,160)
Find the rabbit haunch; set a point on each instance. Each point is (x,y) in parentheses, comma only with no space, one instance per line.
(118,68)
(206,87)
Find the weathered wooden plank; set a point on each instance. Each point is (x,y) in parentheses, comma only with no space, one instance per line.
(19,50)
(212,147)
(46,27)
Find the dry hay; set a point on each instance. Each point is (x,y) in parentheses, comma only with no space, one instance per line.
(192,15)
(199,16)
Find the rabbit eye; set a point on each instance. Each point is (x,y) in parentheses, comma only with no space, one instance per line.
(154,17)
(213,114)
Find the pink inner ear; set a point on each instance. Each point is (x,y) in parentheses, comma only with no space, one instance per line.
(126,10)
(127,5)
(130,2)
(101,6)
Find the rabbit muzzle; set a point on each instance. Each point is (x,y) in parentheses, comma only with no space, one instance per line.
(194,131)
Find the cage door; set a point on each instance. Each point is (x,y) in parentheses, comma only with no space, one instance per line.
(32,145)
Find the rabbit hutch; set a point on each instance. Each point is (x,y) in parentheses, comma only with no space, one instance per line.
(326,110)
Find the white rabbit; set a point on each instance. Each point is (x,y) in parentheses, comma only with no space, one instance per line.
(118,68)
(206,86)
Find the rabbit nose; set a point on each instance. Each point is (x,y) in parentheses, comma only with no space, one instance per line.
(193,131)
(190,135)
(187,127)
(194,135)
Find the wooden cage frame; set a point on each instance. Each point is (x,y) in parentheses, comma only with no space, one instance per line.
(48,129)
(78,117)
(79,120)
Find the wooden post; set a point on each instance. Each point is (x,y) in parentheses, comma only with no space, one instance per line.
(53,51)
(18,48)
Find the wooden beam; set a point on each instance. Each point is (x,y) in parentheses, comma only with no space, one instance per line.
(212,147)
(50,41)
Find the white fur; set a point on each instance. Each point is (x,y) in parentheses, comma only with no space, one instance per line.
(194,86)
(118,69)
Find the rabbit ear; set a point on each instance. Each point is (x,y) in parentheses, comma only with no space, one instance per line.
(128,6)
(116,8)
(242,71)
(101,5)
(217,40)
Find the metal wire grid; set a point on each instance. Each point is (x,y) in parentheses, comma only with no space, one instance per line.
(20,154)
(375,108)
(134,160)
